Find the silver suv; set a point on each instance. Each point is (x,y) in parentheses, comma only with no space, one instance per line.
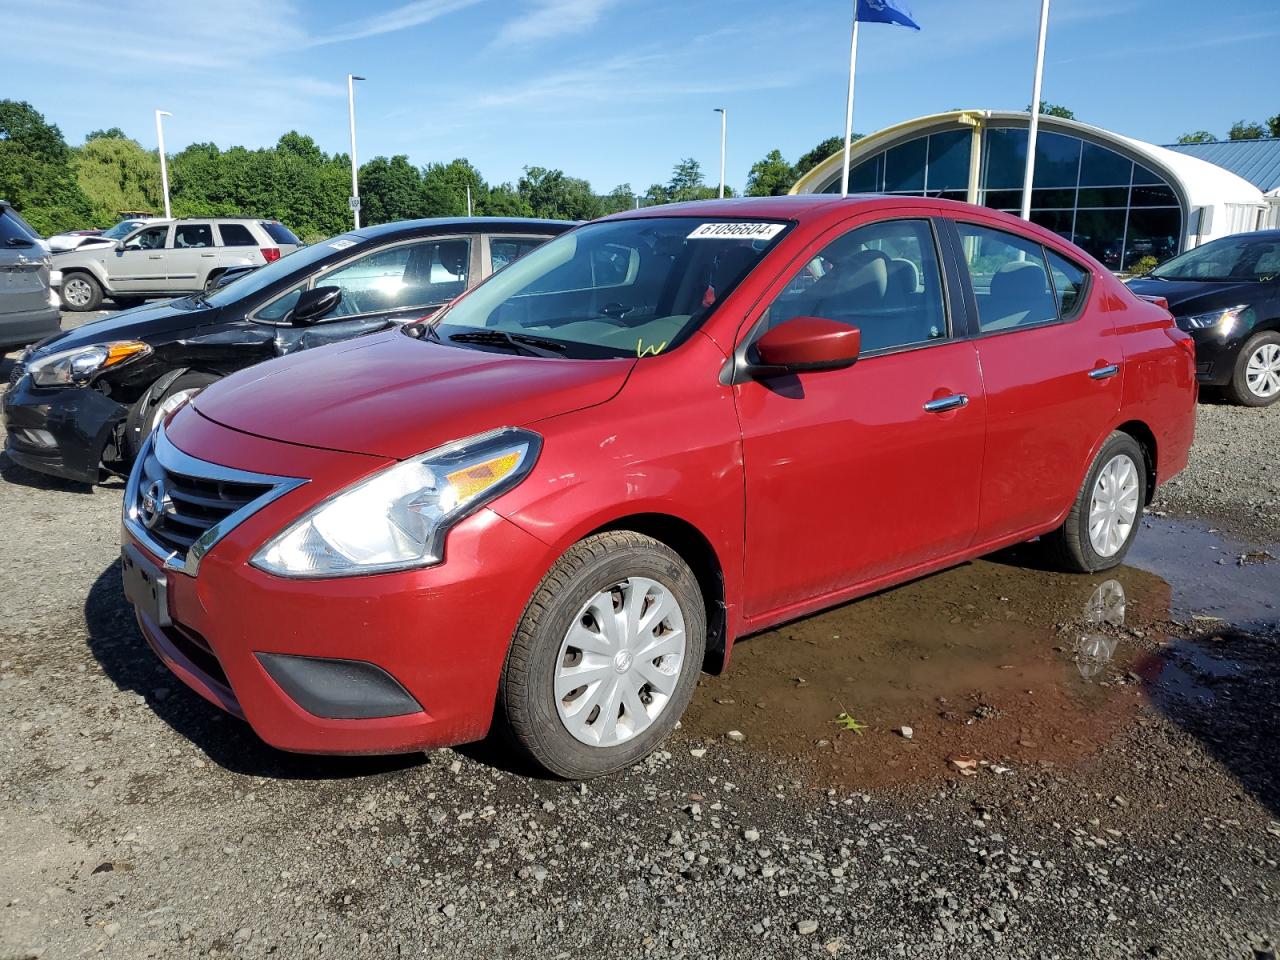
(28,305)
(171,258)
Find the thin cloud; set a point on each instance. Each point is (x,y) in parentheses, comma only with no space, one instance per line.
(552,18)
(410,15)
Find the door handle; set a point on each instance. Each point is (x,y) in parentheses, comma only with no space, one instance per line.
(1102,373)
(155,256)
(943,404)
(210,255)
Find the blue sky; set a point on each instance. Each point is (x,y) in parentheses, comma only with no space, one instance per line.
(618,90)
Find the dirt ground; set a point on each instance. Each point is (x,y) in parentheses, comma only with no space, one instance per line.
(1032,765)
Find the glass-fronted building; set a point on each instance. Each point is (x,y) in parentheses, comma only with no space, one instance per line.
(1119,199)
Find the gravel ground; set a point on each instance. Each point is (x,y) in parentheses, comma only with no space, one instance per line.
(1124,798)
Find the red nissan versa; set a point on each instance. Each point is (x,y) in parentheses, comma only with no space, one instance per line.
(569,493)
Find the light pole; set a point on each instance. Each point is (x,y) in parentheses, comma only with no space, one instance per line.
(164,163)
(1032,133)
(355,178)
(724,130)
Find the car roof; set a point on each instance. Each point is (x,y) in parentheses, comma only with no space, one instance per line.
(466,224)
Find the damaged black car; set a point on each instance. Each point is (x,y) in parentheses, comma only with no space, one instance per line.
(82,403)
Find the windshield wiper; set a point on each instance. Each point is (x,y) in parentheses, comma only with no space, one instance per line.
(518,342)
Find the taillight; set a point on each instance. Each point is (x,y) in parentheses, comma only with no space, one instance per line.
(270,254)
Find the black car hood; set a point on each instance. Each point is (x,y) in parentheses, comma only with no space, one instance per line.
(151,320)
(1190,297)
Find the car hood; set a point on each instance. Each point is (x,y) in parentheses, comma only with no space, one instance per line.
(390,396)
(1189,297)
(139,323)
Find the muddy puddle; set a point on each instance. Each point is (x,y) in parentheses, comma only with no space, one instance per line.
(996,662)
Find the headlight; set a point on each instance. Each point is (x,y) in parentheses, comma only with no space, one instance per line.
(1224,320)
(77,367)
(398,518)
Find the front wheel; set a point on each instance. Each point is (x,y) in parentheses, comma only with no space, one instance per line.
(80,292)
(149,412)
(606,658)
(1103,521)
(1255,382)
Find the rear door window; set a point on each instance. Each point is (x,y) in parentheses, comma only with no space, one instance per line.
(507,250)
(1010,279)
(236,235)
(190,235)
(1068,284)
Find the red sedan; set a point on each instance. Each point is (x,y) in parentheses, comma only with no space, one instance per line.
(572,491)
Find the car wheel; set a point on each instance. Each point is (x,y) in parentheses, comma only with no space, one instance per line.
(80,292)
(1107,511)
(1256,380)
(149,411)
(606,657)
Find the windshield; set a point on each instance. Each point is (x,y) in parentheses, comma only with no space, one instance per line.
(257,280)
(121,229)
(1241,258)
(613,289)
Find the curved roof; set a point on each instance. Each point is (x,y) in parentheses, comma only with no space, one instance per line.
(1201,182)
(1258,161)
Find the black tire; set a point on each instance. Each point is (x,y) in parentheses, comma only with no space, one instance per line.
(1238,389)
(127,303)
(1069,547)
(526,698)
(86,292)
(143,413)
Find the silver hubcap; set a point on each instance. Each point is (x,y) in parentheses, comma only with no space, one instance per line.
(1114,506)
(620,662)
(76,291)
(170,404)
(1262,374)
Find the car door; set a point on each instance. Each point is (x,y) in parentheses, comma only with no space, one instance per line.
(139,263)
(855,474)
(501,251)
(1052,370)
(190,257)
(394,283)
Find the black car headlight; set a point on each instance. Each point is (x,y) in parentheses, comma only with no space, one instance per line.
(76,367)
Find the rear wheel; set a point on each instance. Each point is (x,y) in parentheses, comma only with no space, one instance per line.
(1255,382)
(606,657)
(1104,519)
(80,292)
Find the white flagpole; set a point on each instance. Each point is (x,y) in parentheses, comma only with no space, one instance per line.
(848,110)
(1034,132)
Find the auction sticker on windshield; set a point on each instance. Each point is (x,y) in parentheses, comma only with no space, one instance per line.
(737,231)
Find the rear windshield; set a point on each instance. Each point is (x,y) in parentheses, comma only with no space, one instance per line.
(279,232)
(14,227)
(1240,258)
(301,263)
(617,288)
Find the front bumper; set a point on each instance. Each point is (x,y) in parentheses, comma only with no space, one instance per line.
(440,634)
(1215,356)
(61,432)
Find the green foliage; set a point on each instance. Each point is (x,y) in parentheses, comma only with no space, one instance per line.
(1143,266)
(620,198)
(1197,136)
(846,722)
(770,177)
(505,200)
(1273,125)
(391,190)
(552,194)
(825,149)
(1243,130)
(116,174)
(445,185)
(36,173)
(111,133)
(1053,110)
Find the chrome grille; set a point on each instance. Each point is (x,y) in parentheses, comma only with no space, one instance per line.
(180,506)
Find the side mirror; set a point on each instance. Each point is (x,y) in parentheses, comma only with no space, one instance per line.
(806,344)
(314,305)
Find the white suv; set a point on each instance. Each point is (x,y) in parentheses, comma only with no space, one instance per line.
(171,258)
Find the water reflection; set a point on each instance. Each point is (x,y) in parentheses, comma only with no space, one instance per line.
(1093,651)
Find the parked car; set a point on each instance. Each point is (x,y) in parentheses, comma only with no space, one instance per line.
(83,402)
(582,481)
(1226,294)
(84,239)
(169,259)
(28,301)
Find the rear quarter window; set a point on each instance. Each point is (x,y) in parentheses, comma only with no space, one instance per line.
(279,232)
(13,227)
(236,235)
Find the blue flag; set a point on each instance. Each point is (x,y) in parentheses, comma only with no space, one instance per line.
(884,11)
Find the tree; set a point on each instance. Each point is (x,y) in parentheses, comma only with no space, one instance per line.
(1243,130)
(444,188)
(1273,125)
(36,174)
(620,198)
(555,196)
(1197,136)
(111,133)
(770,177)
(299,145)
(505,200)
(391,190)
(827,148)
(1053,110)
(116,174)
